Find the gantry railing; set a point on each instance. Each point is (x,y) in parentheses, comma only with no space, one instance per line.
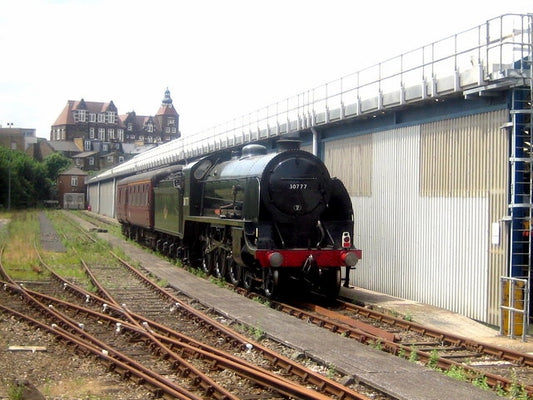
(492,54)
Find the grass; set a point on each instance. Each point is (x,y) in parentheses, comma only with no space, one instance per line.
(15,392)
(22,235)
(19,257)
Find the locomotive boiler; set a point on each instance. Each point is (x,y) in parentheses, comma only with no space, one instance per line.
(269,221)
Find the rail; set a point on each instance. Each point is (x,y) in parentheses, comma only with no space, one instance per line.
(496,50)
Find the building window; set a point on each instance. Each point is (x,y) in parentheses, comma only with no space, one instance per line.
(101,118)
(111,117)
(149,127)
(171,121)
(101,133)
(141,137)
(78,162)
(110,159)
(120,134)
(91,133)
(74,181)
(83,115)
(87,145)
(92,117)
(173,130)
(111,133)
(105,147)
(130,126)
(91,160)
(120,159)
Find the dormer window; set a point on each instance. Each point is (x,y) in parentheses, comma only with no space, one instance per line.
(111,117)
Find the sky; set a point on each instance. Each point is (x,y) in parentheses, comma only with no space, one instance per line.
(219,59)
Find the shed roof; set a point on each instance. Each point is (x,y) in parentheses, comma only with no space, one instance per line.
(74,171)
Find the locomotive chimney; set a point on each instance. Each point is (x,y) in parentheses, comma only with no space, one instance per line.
(288,144)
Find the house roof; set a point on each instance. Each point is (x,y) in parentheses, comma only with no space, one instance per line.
(74,171)
(167,109)
(60,145)
(85,154)
(67,117)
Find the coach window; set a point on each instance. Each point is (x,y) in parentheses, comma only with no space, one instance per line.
(146,186)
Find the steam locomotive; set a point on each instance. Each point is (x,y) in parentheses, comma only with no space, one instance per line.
(267,221)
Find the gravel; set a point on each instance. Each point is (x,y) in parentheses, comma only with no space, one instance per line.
(58,372)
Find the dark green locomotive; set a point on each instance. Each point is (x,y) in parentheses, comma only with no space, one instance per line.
(261,220)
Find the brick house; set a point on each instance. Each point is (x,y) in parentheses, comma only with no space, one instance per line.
(71,189)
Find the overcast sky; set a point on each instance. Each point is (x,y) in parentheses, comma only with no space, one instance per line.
(219,59)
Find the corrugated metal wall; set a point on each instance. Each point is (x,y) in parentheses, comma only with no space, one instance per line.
(428,200)
(102,197)
(93,191)
(107,198)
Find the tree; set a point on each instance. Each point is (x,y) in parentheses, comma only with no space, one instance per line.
(56,163)
(25,182)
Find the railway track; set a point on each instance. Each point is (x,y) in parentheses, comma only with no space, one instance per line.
(487,365)
(167,341)
(484,364)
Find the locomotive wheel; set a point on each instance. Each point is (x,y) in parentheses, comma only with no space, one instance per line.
(271,282)
(222,264)
(234,270)
(216,266)
(206,262)
(247,279)
(211,263)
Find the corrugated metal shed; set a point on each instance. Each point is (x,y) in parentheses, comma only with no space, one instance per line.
(101,197)
(425,199)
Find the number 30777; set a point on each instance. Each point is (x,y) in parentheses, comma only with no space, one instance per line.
(298,186)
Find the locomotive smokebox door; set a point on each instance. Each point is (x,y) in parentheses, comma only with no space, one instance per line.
(295,185)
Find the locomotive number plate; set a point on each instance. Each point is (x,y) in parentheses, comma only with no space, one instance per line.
(297,186)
